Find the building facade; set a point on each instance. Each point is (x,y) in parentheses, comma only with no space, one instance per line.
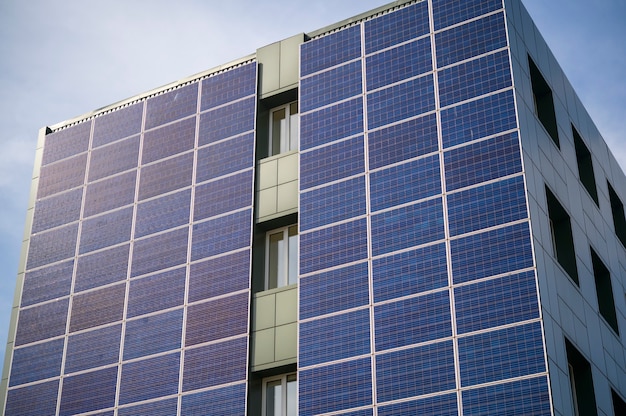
(407,212)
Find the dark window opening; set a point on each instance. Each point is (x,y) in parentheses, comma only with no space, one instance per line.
(585,166)
(604,291)
(562,238)
(544,103)
(619,221)
(581,382)
(619,405)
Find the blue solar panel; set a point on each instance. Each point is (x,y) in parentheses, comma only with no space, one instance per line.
(220,275)
(331,123)
(153,334)
(166,176)
(225,157)
(106,230)
(156,292)
(52,246)
(160,252)
(333,162)
(444,405)
(216,364)
(57,210)
(48,283)
(116,158)
(93,349)
(163,213)
(37,362)
(98,307)
(234,231)
(402,62)
(330,50)
(149,378)
(114,192)
(88,392)
(67,142)
(33,400)
(522,397)
(396,27)
(228,86)
(449,12)
(172,105)
(41,322)
(117,124)
(62,176)
(334,85)
(168,140)
(224,401)
(101,268)
(223,195)
(230,120)
(229,317)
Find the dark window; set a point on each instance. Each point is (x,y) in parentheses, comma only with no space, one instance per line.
(585,166)
(562,239)
(604,291)
(619,405)
(544,104)
(619,221)
(581,382)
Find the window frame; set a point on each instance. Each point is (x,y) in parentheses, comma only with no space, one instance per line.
(284,264)
(290,142)
(284,383)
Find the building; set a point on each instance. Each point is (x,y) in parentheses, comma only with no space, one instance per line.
(407,212)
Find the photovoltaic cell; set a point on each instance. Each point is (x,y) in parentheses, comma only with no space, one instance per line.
(225,157)
(41,322)
(114,192)
(37,362)
(330,50)
(230,120)
(101,268)
(333,246)
(333,291)
(403,141)
(165,407)
(474,78)
(33,400)
(335,387)
(62,176)
(400,101)
(165,176)
(482,161)
(117,124)
(88,392)
(67,142)
(332,162)
(57,210)
(415,371)
(334,85)
(444,405)
(168,140)
(471,39)
(507,353)
(396,27)
(153,334)
(48,283)
(522,397)
(220,275)
(157,292)
(150,378)
(477,119)
(228,317)
(407,226)
(405,183)
(93,349)
(215,364)
(490,253)
(331,123)
(98,307)
(323,206)
(413,320)
(496,302)
(345,336)
(116,158)
(410,272)
(397,64)
(163,213)
(227,400)
(160,252)
(449,12)
(234,232)
(52,246)
(223,195)
(228,86)
(106,230)
(172,105)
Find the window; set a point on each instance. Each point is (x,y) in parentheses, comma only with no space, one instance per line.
(282,257)
(544,104)
(581,382)
(280,396)
(619,221)
(284,129)
(585,166)
(604,291)
(619,406)
(561,233)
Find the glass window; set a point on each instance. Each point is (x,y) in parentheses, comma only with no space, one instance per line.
(581,382)
(619,219)
(561,235)
(285,128)
(280,396)
(544,104)
(282,257)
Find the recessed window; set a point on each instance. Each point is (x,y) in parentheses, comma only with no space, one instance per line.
(581,382)
(619,405)
(619,221)
(543,102)
(585,166)
(284,128)
(280,396)
(604,291)
(561,233)
(282,257)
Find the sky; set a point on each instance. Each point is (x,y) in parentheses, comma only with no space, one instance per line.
(61,59)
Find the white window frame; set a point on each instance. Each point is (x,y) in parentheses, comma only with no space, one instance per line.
(283,378)
(287,142)
(284,262)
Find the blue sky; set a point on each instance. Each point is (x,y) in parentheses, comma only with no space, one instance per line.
(61,59)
